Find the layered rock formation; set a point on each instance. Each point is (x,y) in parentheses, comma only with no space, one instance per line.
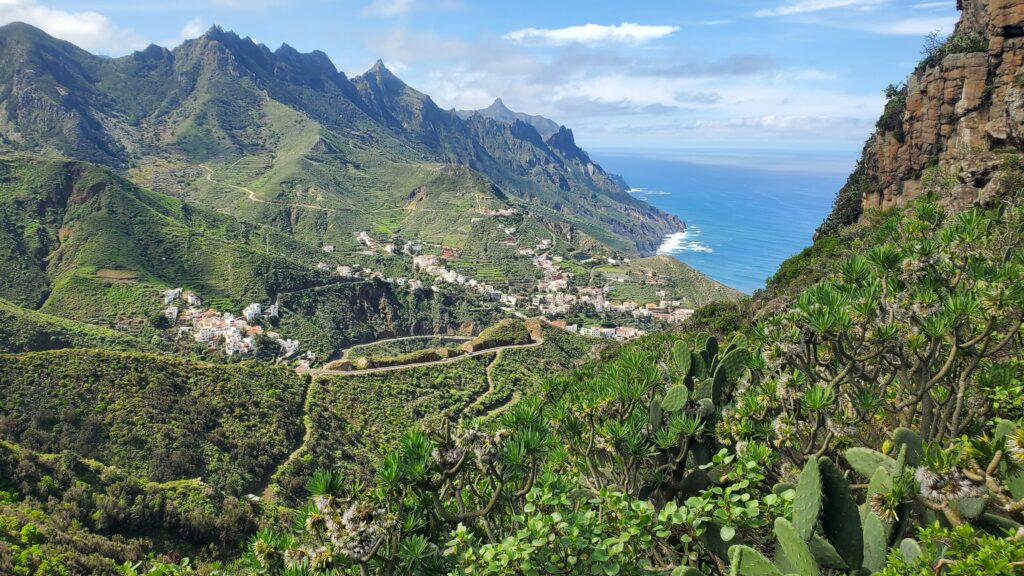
(961,111)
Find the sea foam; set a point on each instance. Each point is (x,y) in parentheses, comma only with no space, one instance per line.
(684,242)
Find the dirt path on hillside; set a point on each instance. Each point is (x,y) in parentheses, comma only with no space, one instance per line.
(346,351)
(422,364)
(266,490)
(252,195)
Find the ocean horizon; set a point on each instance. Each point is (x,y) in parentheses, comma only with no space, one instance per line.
(745,211)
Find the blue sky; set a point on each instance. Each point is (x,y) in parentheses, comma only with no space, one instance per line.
(635,75)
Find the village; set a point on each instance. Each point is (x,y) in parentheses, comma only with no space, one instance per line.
(233,334)
(553,297)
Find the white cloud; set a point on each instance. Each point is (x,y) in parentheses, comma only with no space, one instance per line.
(388,7)
(616,98)
(87,29)
(807,6)
(931,5)
(914,26)
(625,33)
(192,29)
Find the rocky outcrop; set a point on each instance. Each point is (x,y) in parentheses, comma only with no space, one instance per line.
(961,111)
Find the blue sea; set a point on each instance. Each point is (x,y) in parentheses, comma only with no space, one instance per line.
(745,212)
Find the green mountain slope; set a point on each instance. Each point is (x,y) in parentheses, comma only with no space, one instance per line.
(25,330)
(84,243)
(290,126)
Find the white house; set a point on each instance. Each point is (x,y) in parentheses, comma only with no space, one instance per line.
(170,295)
(252,311)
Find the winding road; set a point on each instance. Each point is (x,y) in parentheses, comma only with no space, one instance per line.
(266,490)
(497,349)
(345,353)
(252,195)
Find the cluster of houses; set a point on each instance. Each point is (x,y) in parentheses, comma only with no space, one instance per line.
(620,333)
(236,334)
(671,311)
(554,296)
(434,266)
(501,212)
(373,246)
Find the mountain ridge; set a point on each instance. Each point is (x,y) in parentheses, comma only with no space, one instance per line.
(502,113)
(200,102)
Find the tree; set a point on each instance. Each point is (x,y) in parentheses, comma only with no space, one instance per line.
(160,321)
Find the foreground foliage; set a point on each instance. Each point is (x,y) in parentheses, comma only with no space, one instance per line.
(868,428)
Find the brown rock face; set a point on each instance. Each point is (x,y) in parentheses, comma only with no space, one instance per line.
(957,111)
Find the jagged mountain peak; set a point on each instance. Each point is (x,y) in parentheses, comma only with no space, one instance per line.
(564,141)
(500,112)
(380,70)
(498,104)
(196,103)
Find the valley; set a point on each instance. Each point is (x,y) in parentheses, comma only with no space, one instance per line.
(258,316)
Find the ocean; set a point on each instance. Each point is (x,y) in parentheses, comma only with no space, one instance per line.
(745,212)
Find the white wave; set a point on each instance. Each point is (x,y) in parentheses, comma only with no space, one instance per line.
(684,242)
(646,192)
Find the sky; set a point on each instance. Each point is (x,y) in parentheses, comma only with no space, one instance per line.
(624,75)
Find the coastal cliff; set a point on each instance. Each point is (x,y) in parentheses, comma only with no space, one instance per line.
(954,122)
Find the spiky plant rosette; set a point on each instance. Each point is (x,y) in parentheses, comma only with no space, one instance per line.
(1015,446)
(947,485)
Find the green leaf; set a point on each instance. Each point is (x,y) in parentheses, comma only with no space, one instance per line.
(727,533)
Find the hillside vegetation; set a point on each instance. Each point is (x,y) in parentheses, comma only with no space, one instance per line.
(859,416)
(156,417)
(24,330)
(869,427)
(86,244)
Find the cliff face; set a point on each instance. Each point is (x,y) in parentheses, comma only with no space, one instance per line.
(962,110)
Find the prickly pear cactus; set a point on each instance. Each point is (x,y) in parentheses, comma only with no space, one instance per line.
(913,442)
(734,363)
(910,550)
(875,543)
(675,398)
(865,461)
(656,414)
(680,360)
(807,502)
(840,518)
(798,555)
(745,561)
